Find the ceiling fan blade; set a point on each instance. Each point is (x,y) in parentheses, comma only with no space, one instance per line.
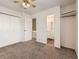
(33,6)
(33,0)
(18,1)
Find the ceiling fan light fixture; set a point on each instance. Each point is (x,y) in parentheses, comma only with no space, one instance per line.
(25,5)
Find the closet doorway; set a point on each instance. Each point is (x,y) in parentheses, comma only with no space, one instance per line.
(34,29)
(50,29)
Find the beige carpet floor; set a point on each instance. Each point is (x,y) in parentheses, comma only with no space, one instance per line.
(35,50)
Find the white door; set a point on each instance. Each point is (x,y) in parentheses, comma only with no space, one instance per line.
(28,28)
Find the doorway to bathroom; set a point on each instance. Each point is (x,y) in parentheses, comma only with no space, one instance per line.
(50,29)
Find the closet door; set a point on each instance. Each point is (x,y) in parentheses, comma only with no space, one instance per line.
(68,32)
(10,30)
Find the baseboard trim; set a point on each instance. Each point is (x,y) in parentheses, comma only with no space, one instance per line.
(67,48)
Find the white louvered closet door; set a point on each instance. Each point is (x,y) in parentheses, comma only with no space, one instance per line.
(10,30)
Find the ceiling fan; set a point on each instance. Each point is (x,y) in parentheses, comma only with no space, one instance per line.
(26,3)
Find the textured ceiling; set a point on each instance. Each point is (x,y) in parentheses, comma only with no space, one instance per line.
(40,5)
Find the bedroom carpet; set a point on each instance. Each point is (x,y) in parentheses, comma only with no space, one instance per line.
(35,50)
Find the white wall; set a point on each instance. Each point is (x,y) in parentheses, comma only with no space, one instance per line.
(9,11)
(12,28)
(68,8)
(68,28)
(41,18)
(76,47)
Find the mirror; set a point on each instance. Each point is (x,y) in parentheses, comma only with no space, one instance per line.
(34,28)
